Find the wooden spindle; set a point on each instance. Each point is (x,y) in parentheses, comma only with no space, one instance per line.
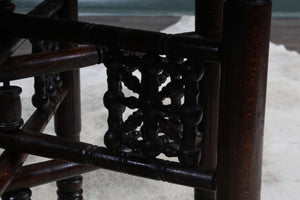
(113,137)
(191,114)
(152,146)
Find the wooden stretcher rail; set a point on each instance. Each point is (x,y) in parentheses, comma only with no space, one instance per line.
(47,8)
(11,161)
(25,26)
(46,172)
(79,152)
(10,44)
(48,62)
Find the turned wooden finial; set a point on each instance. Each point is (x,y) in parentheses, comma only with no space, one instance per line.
(10,107)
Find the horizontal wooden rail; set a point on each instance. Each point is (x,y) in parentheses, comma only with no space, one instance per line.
(11,161)
(48,62)
(24,26)
(47,8)
(46,172)
(79,152)
(10,44)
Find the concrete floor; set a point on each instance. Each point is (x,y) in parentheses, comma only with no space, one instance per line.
(287,32)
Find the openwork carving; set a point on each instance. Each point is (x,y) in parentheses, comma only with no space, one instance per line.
(166,112)
(45,85)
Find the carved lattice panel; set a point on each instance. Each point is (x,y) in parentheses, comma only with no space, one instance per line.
(166,112)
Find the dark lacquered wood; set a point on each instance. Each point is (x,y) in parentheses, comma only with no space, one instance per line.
(20,194)
(113,136)
(6,6)
(59,148)
(6,45)
(68,117)
(70,188)
(208,18)
(48,62)
(243,55)
(109,36)
(243,90)
(46,172)
(40,118)
(10,120)
(47,8)
(10,44)
(11,109)
(151,114)
(151,145)
(208,24)
(191,114)
(11,161)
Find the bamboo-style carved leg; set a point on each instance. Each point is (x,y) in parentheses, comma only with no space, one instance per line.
(209,26)
(68,116)
(242,103)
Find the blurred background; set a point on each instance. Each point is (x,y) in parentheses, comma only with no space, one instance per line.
(281,8)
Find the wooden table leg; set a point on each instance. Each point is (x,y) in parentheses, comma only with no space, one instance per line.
(242,104)
(208,19)
(10,120)
(68,116)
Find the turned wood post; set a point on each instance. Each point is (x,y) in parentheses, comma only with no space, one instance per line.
(208,24)
(10,120)
(246,33)
(68,116)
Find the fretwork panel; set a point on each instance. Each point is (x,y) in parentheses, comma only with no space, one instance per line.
(166,112)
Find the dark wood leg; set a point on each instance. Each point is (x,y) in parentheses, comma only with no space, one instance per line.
(209,25)
(242,102)
(70,188)
(10,120)
(68,116)
(20,194)
(68,125)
